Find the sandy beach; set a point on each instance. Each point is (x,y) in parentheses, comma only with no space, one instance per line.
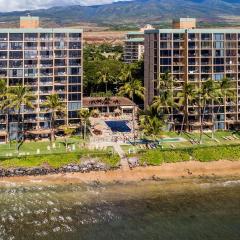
(190,169)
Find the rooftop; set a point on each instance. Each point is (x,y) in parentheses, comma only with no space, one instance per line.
(196,30)
(91,102)
(40,30)
(135,40)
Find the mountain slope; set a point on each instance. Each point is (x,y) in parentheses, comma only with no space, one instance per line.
(135,11)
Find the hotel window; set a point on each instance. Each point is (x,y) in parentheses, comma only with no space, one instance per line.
(219,36)
(16,46)
(165,45)
(218,69)
(30,36)
(75,36)
(218,61)
(74,97)
(165,61)
(74,106)
(15,55)
(165,36)
(165,53)
(46,36)
(16,37)
(218,77)
(165,69)
(74,88)
(219,53)
(218,44)
(76,79)
(3,46)
(73,114)
(206,36)
(3,36)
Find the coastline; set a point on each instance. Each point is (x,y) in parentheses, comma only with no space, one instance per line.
(181,170)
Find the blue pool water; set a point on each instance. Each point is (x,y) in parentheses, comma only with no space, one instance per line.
(118,126)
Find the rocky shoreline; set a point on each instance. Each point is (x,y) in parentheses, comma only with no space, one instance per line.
(84,167)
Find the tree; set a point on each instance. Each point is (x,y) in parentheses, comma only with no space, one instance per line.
(56,107)
(3,94)
(18,98)
(164,100)
(3,100)
(225,91)
(84,115)
(68,132)
(104,76)
(165,82)
(150,123)
(132,89)
(208,92)
(126,73)
(187,94)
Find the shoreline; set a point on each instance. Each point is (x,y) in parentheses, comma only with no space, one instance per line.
(167,171)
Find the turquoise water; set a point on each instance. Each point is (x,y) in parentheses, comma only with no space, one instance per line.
(164,210)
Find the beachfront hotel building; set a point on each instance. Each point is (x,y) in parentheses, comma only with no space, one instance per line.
(134,45)
(193,55)
(47,61)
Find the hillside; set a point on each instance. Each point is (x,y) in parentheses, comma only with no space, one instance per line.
(136,12)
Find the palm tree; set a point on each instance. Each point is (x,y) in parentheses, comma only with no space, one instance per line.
(19,97)
(165,82)
(84,115)
(132,89)
(68,132)
(187,94)
(206,93)
(3,94)
(56,107)
(150,123)
(3,99)
(104,76)
(225,91)
(125,74)
(164,101)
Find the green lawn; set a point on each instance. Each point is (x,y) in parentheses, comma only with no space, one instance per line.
(199,153)
(207,140)
(55,156)
(60,159)
(30,148)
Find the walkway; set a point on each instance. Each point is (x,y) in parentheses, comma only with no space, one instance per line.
(117,148)
(123,158)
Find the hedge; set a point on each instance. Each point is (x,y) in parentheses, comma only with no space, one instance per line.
(202,154)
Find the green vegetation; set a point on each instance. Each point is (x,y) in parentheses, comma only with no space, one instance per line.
(57,108)
(58,160)
(84,115)
(105,74)
(191,99)
(202,154)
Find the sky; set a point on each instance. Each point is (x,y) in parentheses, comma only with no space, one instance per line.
(13,5)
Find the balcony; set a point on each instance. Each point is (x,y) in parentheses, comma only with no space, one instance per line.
(46,83)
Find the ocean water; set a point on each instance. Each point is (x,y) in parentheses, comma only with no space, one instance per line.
(167,210)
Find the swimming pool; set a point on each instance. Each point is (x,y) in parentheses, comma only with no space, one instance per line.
(118,126)
(171,140)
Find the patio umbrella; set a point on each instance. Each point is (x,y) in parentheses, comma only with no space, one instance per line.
(117,111)
(99,127)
